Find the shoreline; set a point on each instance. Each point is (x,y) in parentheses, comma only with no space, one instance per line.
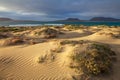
(30,23)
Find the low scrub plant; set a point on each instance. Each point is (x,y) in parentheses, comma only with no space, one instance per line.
(95,60)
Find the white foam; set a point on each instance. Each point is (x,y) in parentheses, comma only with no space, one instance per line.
(54,24)
(14,25)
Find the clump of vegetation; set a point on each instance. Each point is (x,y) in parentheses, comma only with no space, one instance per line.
(41,59)
(64,42)
(19,40)
(33,41)
(46,58)
(95,60)
(117,35)
(14,41)
(74,27)
(13,29)
(57,50)
(3,36)
(48,33)
(111,34)
(103,26)
(50,55)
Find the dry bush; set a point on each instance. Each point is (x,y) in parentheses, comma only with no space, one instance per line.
(46,58)
(70,27)
(41,59)
(50,55)
(95,60)
(17,40)
(13,41)
(114,34)
(12,29)
(3,36)
(72,42)
(34,41)
(75,27)
(48,33)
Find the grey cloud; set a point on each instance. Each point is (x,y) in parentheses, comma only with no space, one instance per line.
(60,9)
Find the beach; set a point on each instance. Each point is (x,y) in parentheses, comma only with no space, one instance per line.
(42,53)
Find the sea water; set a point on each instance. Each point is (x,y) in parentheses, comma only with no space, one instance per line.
(38,23)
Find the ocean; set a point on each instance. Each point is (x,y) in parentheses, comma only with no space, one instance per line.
(38,23)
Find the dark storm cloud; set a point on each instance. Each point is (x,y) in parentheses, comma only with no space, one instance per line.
(58,9)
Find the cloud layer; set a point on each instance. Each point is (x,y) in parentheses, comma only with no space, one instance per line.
(58,9)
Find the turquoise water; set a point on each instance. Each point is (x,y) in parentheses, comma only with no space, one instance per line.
(25,23)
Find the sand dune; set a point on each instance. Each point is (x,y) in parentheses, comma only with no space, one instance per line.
(22,62)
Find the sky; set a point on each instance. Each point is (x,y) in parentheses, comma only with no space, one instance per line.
(47,10)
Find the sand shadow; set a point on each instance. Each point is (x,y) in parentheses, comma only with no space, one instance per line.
(73,35)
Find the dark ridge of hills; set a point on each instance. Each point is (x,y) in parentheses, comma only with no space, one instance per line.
(6,19)
(104,19)
(71,20)
(92,19)
(68,19)
(9,19)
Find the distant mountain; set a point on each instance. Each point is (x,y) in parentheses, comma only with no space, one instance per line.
(6,19)
(9,19)
(104,19)
(93,19)
(71,20)
(67,20)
